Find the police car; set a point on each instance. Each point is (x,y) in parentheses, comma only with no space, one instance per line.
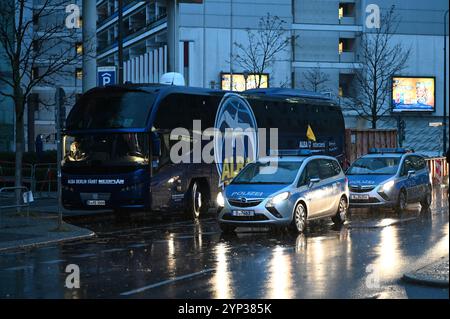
(285,191)
(389,178)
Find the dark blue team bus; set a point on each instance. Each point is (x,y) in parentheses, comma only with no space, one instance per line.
(118,147)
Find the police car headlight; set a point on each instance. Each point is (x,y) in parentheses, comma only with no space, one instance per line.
(220,200)
(387,186)
(279,198)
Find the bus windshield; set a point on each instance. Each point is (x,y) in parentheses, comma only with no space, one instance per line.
(265,173)
(108,150)
(110,110)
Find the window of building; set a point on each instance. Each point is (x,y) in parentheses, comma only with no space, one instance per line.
(79,48)
(34,72)
(79,73)
(345,84)
(36,44)
(346,10)
(35,19)
(346,45)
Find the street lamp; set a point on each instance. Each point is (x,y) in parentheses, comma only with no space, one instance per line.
(445,84)
(245,79)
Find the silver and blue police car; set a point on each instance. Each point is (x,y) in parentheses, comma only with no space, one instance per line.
(285,191)
(389,178)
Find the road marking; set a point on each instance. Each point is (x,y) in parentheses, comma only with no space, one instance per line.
(56,261)
(113,250)
(166,282)
(20,268)
(84,255)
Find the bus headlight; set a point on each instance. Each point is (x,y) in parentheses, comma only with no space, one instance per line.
(386,187)
(278,198)
(220,200)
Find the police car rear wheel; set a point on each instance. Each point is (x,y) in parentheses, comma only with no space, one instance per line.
(299,220)
(426,201)
(341,213)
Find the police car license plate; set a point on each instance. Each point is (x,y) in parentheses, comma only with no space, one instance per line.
(359,197)
(243,213)
(96,203)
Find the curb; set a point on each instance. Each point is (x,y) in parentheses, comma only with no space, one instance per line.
(411,278)
(426,275)
(91,234)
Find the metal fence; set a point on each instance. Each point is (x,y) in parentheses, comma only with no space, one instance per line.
(39,178)
(14,197)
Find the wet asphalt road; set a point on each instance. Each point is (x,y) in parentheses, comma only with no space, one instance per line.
(173,257)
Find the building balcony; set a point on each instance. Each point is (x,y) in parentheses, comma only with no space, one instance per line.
(347,21)
(133,34)
(348,57)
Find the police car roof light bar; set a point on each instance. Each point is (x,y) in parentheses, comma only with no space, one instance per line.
(390,150)
(291,152)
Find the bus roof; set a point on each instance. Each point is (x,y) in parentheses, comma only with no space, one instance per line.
(161,91)
(271,93)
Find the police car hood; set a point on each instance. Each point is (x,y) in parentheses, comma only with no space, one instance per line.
(253,190)
(367,180)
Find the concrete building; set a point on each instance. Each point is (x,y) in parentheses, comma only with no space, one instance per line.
(51,51)
(6,106)
(67,42)
(196,38)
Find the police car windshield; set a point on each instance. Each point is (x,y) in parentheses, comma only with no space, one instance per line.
(279,172)
(374,166)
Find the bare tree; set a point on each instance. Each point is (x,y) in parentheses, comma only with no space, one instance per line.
(263,45)
(380,58)
(315,80)
(38,49)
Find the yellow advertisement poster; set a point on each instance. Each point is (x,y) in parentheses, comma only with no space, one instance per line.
(413,94)
(240,84)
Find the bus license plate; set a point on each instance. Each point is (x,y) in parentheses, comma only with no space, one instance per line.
(243,213)
(364,197)
(96,203)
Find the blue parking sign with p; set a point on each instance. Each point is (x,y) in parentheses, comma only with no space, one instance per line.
(106,75)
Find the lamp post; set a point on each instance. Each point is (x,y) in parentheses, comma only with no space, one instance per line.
(245,79)
(445,85)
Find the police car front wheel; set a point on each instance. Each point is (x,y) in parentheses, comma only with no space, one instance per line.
(299,218)
(401,201)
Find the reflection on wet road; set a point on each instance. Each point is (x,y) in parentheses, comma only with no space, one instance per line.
(172,257)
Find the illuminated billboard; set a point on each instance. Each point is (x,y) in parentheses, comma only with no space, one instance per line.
(239,84)
(413,94)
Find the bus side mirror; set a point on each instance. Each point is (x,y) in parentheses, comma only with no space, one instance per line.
(156,145)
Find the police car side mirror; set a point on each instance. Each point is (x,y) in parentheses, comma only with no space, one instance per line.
(313,181)
(411,173)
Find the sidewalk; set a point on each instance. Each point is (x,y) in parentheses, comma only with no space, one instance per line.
(50,206)
(18,231)
(435,274)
